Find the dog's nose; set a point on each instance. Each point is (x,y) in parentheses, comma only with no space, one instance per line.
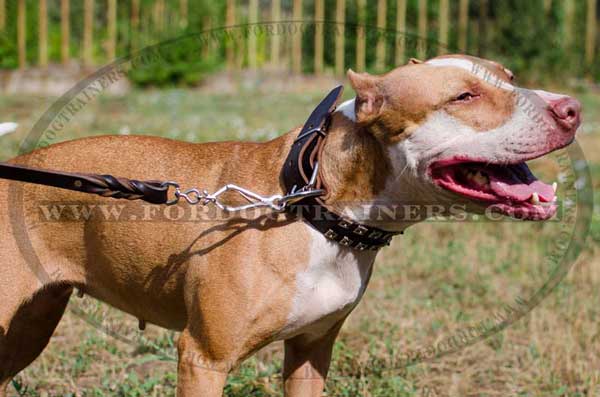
(567,112)
(565,109)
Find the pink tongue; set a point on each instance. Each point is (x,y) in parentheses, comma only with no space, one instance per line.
(520,191)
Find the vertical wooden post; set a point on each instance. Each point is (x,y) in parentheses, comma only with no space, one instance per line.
(569,24)
(43,33)
(2,15)
(443,33)
(275,40)
(159,15)
(162,15)
(111,47)
(319,34)
(361,39)
(590,34)
(463,23)
(240,46)
(21,32)
(381,24)
(297,38)
(135,24)
(252,19)
(88,32)
(64,31)
(340,19)
(422,39)
(229,44)
(206,28)
(145,21)
(547,6)
(400,31)
(183,13)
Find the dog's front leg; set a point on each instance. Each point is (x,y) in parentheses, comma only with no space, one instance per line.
(306,364)
(197,374)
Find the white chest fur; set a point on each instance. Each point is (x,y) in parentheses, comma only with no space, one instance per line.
(329,288)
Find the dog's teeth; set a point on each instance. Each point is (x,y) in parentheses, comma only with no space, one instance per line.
(535,198)
(554,186)
(481,179)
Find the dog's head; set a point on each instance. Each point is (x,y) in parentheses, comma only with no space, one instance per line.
(456,128)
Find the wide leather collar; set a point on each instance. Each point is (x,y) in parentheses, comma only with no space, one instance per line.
(297,171)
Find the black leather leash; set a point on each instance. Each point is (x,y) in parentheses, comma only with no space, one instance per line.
(155,192)
(297,171)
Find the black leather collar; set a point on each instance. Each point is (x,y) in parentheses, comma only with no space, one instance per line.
(297,171)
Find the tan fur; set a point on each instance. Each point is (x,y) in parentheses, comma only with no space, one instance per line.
(400,111)
(227,284)
(348,169)
(202,277)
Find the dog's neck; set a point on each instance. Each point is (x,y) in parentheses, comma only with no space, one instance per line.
(359,171)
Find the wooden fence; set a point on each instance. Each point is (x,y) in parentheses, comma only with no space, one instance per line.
(246,54)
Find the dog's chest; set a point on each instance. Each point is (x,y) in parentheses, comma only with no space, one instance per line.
(329,288)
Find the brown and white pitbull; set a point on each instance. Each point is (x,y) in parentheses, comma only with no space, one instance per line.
(436,131)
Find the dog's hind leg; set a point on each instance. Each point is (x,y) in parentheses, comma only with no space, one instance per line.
(26,327)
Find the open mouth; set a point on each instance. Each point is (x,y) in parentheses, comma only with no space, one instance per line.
(508,189)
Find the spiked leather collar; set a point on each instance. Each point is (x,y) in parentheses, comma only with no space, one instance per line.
(297,170)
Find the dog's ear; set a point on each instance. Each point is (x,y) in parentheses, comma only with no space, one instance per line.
(414,61)
(369,99)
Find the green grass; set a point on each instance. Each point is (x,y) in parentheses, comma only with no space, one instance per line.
(435,280)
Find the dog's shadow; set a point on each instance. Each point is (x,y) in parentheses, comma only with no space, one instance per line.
(232,228)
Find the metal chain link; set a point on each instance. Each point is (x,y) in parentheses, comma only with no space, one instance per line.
(277,202)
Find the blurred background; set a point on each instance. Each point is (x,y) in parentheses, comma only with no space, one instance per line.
(254,69)
(537,38)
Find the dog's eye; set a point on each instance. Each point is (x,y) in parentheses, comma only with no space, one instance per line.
(465,97)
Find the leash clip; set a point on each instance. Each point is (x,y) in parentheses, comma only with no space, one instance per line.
(175,185)
(307,190)
(277,202)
